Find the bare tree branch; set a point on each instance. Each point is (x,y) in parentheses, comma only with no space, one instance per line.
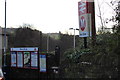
(100,13)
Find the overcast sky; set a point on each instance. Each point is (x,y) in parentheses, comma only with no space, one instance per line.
(47,15)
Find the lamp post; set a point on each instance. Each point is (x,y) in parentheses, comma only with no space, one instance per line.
(4,67)
(5,38)
(74,36)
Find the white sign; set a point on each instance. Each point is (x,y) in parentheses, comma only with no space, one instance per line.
(19,59)
(25,49)
(13,59)
(34,59)
(85,25)
(42,63)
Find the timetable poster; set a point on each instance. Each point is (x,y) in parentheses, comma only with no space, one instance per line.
(34,59)
(27,59)
(42,63)
(19,59)
(13,59)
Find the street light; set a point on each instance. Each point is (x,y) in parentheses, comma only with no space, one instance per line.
(5,38)
(4,67)
(74,36)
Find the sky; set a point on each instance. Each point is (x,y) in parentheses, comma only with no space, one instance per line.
(48,15)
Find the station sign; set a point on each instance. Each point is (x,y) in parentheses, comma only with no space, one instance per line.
(84,19)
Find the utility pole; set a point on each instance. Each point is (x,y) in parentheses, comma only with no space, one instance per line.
(4,67)
(5,37)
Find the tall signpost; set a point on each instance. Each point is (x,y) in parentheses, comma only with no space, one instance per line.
(86,20)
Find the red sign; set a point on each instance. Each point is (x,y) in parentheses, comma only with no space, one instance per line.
(82,23)
(83,18)
(86,18)
(82,8)
(82,11)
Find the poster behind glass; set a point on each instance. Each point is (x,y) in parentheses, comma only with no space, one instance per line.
(34,59)
(13,59)
(42,63)
(19,59)
(26,59)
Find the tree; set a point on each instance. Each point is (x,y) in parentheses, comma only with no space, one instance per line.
(25,36)
(101,16)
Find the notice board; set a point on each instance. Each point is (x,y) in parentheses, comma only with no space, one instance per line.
(42,63)
(24,57)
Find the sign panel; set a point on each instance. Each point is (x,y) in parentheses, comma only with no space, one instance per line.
(42,63)
(82,8)
(34,59)
(24,49)
(85,25)
(84,19)
(26,59)
(13,59)
(19,59)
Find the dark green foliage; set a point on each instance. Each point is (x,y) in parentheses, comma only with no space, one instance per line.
(24,37)
(66,41)
(100,61)
(27,37)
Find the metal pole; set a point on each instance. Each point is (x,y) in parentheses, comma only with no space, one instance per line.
(85,42)
(74,36)
(5,38)
(47,42)
(74,40)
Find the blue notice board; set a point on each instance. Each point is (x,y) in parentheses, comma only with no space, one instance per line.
(42,63)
